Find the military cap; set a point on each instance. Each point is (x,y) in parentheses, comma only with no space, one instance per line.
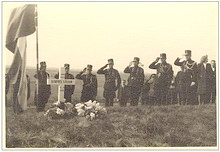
(136,59)
(66,65)
(43,63)
(188,52)
(111,60)
(89,67)
(163,55)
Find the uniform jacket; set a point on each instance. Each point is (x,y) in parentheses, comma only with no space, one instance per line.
(111,76)
(191,67)
(164,72)
(42,81)
(89,83)
(136,78)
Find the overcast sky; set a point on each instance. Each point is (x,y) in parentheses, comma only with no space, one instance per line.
(91,32)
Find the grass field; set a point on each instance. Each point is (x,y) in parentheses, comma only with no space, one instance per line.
(141,126)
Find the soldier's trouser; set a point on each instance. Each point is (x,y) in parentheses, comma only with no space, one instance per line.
(135,93)
(182,98)
(123,103)
(192,95)
(204,98)
(152,100)
(87,97)
(162,95)
(42,101)
(108,102)
(68,99)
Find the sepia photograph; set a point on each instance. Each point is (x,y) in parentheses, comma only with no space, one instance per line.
(137,75)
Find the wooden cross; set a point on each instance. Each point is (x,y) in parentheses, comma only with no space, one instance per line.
(61,82)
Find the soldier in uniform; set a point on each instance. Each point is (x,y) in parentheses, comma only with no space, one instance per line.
(163,79)
(68,89)
(135,80)
(110,86)
(191,67)
(89,91)
(44,90)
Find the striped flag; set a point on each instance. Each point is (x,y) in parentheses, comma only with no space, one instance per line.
(21,24)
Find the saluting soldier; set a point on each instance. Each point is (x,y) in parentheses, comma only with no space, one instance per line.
(163,79)
(135,80)
(68,89)
(110,86)
(44,90)
(89,91)
(191,67)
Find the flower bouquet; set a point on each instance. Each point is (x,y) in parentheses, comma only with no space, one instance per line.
(60,110)
(91,110)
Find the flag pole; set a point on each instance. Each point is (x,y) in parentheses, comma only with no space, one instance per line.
(37,53)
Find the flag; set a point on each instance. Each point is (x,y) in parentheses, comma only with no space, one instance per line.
(21,24)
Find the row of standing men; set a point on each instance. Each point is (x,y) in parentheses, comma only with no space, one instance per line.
(199,80)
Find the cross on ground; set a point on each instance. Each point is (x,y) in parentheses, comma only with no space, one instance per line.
(61,82)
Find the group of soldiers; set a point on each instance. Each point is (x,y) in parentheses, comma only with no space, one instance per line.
(198,80)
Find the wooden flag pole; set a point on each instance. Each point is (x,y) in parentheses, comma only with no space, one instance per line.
(37,52)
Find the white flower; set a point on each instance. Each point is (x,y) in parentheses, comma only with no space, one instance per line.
(87,116)
(79,106)
(97,104)
(104,109)
(46,112)
(98,108)
(88,107)
(60,111)
(68,104)
(92,115)
(89,103)
(80,112)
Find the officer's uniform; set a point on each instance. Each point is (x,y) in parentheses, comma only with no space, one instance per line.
(68,89)
(89,91)
(110,86)
(44,90)
(191,68)
(135,82)
(163,79)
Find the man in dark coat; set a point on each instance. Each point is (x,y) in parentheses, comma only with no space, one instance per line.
(68,89)
(110,86)
(89,91)
(164,78)
(213,81)
(191,67)
(44,90)
(135,80)
(204,80)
